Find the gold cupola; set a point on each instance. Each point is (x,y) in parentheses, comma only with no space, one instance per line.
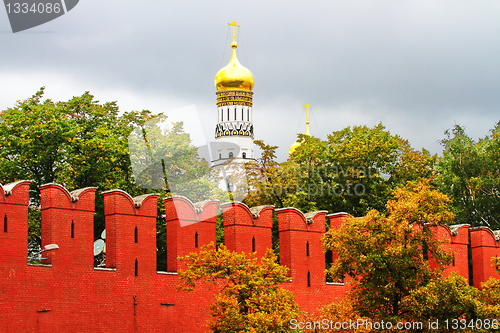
(234,85)
(234,76)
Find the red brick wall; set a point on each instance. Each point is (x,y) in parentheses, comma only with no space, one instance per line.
(13,256)
(336,220)
(13,221)
(68,294)
(69,223)
(130,232)
(455,240)
(301,250)
(247,229)
(484,246)
(188,228)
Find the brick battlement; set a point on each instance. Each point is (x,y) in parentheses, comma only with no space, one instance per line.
(67,293)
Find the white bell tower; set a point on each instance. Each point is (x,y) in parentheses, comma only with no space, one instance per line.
(234,129)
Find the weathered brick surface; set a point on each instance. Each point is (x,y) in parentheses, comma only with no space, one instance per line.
(189,227)
(455,240)
(247,229)
(301,251)
(68,294)
(484,245)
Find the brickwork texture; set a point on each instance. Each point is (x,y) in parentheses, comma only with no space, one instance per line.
(68,294)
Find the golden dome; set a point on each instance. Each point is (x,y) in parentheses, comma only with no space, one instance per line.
(234,76)
(293,147)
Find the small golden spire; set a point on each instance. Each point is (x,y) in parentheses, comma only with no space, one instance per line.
(307,107)
(297,143)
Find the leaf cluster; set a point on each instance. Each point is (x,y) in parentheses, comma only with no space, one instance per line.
(469,172)
(249,297)
(452,297)
(356,169)
(386,254)
(84,143)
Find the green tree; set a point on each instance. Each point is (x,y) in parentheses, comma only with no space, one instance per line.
(340,311)
(354,170)
(489,296)
(372,163)
(78,143)
(250,299)
(163,158)
(469,172)
(453,298)
(383,253)
(81,142)
(277,184)
(441,299)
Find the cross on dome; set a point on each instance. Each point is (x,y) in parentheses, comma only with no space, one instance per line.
(234,29)
(234,76)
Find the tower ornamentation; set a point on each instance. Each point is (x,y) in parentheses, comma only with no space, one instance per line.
(234,132)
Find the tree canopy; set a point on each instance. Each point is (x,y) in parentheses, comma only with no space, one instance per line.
(469,172)
(445,298)
(250,299)
(78,143)
(383,253)
(400,193)
(356,169)
(82,143)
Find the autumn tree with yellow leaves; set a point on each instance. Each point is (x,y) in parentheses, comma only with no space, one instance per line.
(386,254)
(250,299)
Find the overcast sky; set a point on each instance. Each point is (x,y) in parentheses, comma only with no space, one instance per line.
(419,67)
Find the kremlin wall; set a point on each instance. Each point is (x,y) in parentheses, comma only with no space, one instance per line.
(68,294)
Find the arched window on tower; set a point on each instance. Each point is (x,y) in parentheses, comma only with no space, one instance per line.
(244,155)
(230,154)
